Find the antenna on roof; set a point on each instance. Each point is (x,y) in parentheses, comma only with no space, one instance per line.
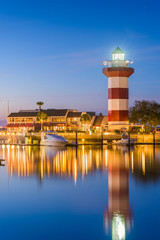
(8,107)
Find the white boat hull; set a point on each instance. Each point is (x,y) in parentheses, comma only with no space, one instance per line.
(53,140)
(53,143)
(125,142)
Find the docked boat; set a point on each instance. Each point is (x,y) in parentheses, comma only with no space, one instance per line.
(125,141)
(52,139)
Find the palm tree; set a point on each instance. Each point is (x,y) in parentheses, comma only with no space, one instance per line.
(41,116)
(85,118)
(40,105)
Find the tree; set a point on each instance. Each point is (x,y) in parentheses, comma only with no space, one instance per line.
(40,105)
(146,113)
(41,117)
(117,131)
(85,118)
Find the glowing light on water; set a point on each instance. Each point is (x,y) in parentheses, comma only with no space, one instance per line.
(143,163)
(118,227)
(132,163)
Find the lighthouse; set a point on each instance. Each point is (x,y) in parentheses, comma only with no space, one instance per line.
(118,71)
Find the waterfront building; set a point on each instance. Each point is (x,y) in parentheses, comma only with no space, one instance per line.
(100,123)
(118,71)
(57,120)
(26,120)
(73,120)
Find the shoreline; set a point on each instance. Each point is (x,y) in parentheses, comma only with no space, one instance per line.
(74,145)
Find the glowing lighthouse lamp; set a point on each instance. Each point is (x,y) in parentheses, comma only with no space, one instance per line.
(118,71)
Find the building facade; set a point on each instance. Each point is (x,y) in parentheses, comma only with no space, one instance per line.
(57,120)
(100,124)
(26,120)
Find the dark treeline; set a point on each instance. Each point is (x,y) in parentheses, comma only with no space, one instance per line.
(146,113)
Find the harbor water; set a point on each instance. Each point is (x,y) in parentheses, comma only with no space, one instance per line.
(89,192)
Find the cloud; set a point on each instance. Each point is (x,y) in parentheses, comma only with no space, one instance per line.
(25,22)
(70,55)
(135,35)
(6,75)
(147,53)
(74,61)
(149,49)
(148,57)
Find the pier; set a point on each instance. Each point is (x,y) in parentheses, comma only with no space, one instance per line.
(81,138)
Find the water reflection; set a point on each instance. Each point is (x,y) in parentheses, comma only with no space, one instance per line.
(118,215)
(51,162)
(141,163)
(145,163)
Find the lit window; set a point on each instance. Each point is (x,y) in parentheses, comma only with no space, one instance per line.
(17,120)
(119,56)
(62,119)
(29,120)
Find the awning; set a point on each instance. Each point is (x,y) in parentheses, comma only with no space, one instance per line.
(45,124)
(29,125)
(10,125)
(22,125)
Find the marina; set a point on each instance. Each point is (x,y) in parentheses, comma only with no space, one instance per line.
(79,120)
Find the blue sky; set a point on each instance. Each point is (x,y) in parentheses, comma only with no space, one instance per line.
(52,50)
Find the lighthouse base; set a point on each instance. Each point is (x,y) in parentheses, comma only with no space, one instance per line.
(118,125)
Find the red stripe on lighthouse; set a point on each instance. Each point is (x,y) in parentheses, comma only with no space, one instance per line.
(117,93)
(118,115)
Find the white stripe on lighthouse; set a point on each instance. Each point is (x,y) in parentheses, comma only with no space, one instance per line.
(118,82)
(118,122)
(118,104)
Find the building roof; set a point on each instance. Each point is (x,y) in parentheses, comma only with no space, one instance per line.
(49,112)
(56,112)
(91,113)
(74,114)
(117,51)
(23,114)
(98,121)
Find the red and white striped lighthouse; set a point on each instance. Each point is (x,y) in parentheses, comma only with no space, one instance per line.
(118,71)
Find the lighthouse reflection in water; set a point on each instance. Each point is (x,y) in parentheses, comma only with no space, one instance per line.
(108,167)
(118,214)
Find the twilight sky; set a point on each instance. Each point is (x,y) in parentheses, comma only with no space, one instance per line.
(52,51)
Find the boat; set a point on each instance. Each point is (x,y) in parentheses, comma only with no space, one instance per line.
(52,139)
(125,141)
